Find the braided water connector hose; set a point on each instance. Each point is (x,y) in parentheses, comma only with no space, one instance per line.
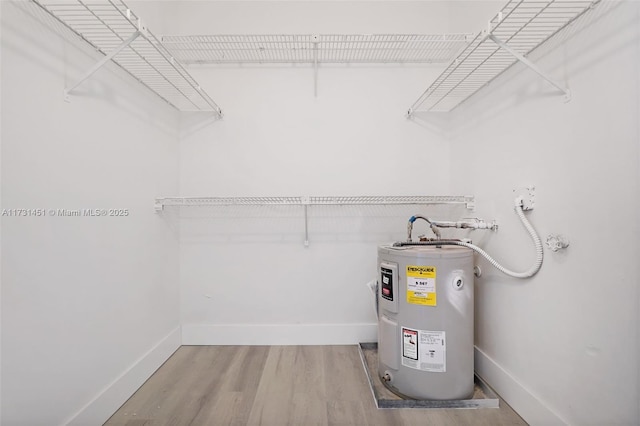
(532,233)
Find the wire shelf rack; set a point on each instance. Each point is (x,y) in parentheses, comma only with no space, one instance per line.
(331,48)
(314,200)
(518,29)
(114,30)
(306,201)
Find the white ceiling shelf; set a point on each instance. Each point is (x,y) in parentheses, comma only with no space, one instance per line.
(314,49)
(116,32)
(518,29)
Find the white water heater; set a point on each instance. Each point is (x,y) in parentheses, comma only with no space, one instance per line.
(425,318)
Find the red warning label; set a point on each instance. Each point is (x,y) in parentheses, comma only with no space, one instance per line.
(410,343)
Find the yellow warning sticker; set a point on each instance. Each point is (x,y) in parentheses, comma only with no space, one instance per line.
(421,285)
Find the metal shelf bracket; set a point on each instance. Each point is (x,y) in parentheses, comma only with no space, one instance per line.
(101,63)
(158,206)
(533,67)
(305,201)
(306,225)
(316,39)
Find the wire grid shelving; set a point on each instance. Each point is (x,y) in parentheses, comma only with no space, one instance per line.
(306,201)
(314,200)
(522,25)
(115,31)
(307,48)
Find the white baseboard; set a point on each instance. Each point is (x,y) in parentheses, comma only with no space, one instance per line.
(524,402)
(278,334)
(117,392)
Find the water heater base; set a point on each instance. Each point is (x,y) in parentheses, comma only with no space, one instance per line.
(483,396)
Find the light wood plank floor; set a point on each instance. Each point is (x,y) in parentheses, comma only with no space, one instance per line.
(276,385)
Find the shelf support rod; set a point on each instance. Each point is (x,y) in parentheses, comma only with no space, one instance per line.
(306,226)
(532,66)
(315,38)
(101,63)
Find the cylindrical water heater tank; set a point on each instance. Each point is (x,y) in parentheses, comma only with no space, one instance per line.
(425,318)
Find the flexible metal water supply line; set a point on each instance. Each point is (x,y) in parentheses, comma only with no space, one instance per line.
(532,233)
(412,219)
(436,224)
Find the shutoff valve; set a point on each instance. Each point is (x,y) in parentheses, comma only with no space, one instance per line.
(557,242)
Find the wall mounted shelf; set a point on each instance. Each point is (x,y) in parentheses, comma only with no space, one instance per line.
(306,201)
(316,49)
(518,29)
(160,203)
(116,32)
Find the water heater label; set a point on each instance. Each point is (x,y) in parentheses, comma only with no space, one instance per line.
(424,350)
(421,285)
(386,290)
(410,343)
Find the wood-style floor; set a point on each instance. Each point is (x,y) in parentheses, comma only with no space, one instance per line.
(277,385)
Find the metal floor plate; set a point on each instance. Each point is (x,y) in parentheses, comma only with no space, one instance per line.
(483,396)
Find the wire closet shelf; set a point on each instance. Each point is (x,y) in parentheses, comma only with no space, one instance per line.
(314,200)
(518,29)
(313,49)
(116,32)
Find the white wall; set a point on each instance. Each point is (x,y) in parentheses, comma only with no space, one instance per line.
(246,276)
(562,347)
(278,140)
(192,17)
(0,226)
(89,304)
